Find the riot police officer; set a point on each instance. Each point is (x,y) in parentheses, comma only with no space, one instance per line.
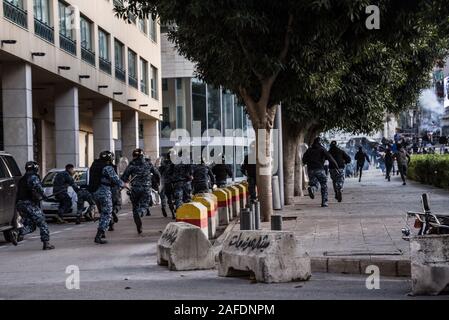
(182,187)
(222,171)
(167,192)
(29,195)
(138,174)
(203,178)
(102,178)
(62,181)
(155,181)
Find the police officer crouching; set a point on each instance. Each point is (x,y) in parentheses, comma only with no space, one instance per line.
(102,179)
(29,195)
(138,174)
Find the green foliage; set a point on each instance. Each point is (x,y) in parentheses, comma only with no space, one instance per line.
(430,169)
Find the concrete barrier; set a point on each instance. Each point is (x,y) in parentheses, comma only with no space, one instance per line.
(223,215)
(272,257)
(235,200)
(246,185)
(184,246)
(211,213)
(194,213)
(229,203)
(215,201)
(429,264)
(242,195)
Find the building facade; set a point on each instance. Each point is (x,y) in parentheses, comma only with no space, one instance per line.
(213,117)
(76,80)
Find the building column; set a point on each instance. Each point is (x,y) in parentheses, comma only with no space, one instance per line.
(151,138)
(18,111)
(67,127)
(130,132)
(102,126)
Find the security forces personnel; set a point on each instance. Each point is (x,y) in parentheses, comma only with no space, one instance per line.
(203,178)
(62,181)
(138,174)
(85,196)
(338,172)
(167,193)
(182,178)
(29,194)
(222,171)
(155,181)
(102,178)
(116,203)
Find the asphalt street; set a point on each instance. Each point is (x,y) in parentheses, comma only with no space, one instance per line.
(126,268)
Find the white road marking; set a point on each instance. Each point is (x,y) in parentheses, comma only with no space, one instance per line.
(68,229)
(56,232)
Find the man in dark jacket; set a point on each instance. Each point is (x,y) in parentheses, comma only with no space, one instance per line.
(360,157)
(389,162)
(62,181)
(314,158)
(167,191)
(338,172)
(222,171)
(203,179)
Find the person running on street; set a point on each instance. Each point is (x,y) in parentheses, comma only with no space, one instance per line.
(314,158)
(361,157)
(389,162)
(403,159)
(337,173)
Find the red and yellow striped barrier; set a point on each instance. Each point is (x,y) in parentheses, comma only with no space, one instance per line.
(222,202)
(207,201)
(194,213)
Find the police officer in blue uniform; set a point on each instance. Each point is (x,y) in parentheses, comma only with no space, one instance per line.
(62,181)
(29,195)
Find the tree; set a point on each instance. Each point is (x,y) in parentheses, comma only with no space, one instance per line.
(262,50)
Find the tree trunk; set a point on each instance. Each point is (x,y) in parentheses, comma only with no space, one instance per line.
(264,173)
(299,183)
(290,141)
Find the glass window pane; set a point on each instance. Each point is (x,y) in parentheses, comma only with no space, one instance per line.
(228,110)
(214,108)
(154,82)
(199,103)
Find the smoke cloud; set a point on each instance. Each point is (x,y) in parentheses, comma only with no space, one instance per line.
(432,111)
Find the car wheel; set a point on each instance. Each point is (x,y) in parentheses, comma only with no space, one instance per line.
(11,236)
(7,235)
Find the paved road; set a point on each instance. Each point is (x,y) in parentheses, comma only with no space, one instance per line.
(126,268)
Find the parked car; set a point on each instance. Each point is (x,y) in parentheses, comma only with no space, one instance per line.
(50,206)
(9,178)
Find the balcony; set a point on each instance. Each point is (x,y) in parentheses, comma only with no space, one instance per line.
(67,44)
(43,30)
(88,56)
(15,14)
(133,81)
(120,74)
(105,65)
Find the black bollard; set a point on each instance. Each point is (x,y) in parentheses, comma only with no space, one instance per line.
(276,222)
(245,220)
(257,216)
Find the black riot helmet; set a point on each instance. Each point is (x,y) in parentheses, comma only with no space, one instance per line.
(138,153)
(32,166)
(107,156)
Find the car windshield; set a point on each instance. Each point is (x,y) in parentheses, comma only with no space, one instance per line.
(80,178)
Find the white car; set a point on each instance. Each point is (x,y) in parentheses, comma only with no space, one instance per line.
(50,206)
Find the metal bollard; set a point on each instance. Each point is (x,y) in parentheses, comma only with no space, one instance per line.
(257,216)
(276,222)
(245,220)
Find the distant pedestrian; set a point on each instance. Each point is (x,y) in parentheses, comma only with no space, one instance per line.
(443,142)
(361,157)
(314,158)
(389,162)
(403,159)
(338,172)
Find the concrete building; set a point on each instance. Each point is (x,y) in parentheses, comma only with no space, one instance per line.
(221,119)
(76,80)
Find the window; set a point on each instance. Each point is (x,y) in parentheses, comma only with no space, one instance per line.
(13,11)
(153,29)
(143,76)
(164,84)
(143,26)
(65,20)
(119,50)
(42,11)
(16,3)
(103,44)
(199,103)
(214,108)
(132,68)
(154,82)
(86,34)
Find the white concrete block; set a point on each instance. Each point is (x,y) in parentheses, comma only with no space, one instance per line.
(272,256)
(184,246)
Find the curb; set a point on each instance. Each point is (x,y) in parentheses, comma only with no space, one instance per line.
(387,268)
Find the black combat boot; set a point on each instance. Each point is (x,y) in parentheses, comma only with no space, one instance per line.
(148,213)
(111,227)
(164,212)
(78,220)
(47,246)
(98,237)
(138,223)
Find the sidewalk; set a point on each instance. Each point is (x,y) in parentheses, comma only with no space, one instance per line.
(364,229)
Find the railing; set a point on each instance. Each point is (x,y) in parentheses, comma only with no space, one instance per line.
(15,14)
(67,44)
(132,81)
(120,74)
(88,56)
(105,65)
(44,31)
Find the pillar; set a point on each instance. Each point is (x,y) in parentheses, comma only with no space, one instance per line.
(151,138)
(130,132)
(18,111)
(102,126)
(67,126)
